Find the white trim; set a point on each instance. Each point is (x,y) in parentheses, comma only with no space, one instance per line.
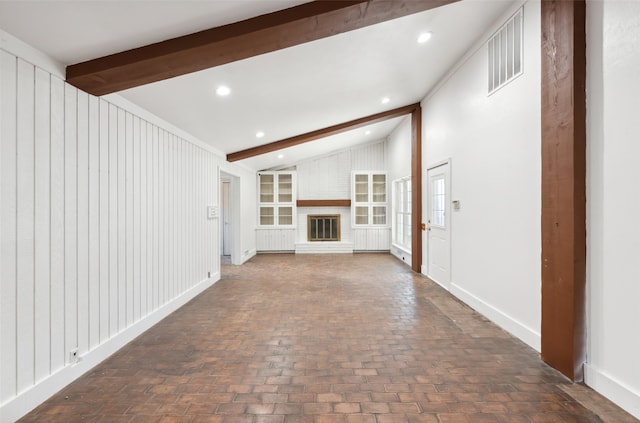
(248,255)
(438,164)
(506,322)
(19,48)
(613,389)
(235,218)
(26,401)
(401,253)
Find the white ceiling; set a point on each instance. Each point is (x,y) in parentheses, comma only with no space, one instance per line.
(284,93)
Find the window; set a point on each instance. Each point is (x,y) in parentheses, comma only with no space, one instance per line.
(402,213)
(276,199)
(438,202)
(505,53)
(369,198)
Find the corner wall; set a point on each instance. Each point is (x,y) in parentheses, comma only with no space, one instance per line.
(398,152)
(494,148)
(103,230)
(613,204)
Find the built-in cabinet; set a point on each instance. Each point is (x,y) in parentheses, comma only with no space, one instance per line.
(276,199)
(276,211)
(369,200)
(277,230)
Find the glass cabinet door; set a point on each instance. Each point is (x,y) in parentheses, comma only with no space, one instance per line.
(266,189)
(267,216)
(361,188)
(285,215)
(379,215)
(362,215)
(379,188)
(285,188)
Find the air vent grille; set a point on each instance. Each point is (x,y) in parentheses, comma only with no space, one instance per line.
(505,53)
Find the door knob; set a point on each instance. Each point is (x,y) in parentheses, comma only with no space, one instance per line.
(423,226)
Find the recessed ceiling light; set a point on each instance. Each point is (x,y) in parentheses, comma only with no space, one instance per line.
(424,37)
(385,100)
(259,134)
(367,132)
(223,90)
(280,156)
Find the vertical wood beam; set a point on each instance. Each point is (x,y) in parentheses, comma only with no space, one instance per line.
(416,188)
(563,185)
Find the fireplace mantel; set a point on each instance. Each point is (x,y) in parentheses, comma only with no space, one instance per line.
(323,203)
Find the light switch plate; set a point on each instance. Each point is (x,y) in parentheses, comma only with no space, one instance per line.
(212,212)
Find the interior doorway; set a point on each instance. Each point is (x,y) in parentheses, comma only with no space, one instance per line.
(225,239)
(229,218)
(437,255)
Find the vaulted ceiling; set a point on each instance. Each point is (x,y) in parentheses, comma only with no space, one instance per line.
(282,93)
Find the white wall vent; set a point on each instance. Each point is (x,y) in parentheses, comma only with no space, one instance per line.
(505,53)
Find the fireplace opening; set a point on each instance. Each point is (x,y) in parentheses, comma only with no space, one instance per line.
(323,227)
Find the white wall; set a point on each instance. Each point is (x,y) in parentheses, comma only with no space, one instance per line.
(329,178)
(398,153)
(495,152)
(613,102)
(103,229)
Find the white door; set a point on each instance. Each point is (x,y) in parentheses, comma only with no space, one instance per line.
(438,225)
(226,215)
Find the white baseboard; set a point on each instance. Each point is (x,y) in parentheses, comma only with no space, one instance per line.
(248,255)
(506,322)
(26,401)
(401,254)
(614,390)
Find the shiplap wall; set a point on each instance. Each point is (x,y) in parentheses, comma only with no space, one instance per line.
(325,178)
(329,177)
(102,222)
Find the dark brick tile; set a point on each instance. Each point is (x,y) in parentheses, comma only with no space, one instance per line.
(290,339)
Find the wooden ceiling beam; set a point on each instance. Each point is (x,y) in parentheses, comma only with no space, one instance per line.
(252,37)
(321,133)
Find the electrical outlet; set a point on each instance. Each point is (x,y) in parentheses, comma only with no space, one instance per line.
(73,356)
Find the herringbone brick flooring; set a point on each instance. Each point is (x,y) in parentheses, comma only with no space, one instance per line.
(324,339)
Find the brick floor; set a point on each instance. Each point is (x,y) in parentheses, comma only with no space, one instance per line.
(324,339)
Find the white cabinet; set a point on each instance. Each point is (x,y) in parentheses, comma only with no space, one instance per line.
(276,199)
(369,199)
(276,211)
(275,239)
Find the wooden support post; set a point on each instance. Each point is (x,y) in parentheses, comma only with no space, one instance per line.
(416,188)
(563,185)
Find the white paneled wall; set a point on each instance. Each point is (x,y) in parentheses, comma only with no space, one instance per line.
(102,223)
(335,171)
(275,239)
(329,177)
(371,239)
(369,157)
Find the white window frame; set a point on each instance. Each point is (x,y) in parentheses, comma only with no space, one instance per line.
(401,205)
